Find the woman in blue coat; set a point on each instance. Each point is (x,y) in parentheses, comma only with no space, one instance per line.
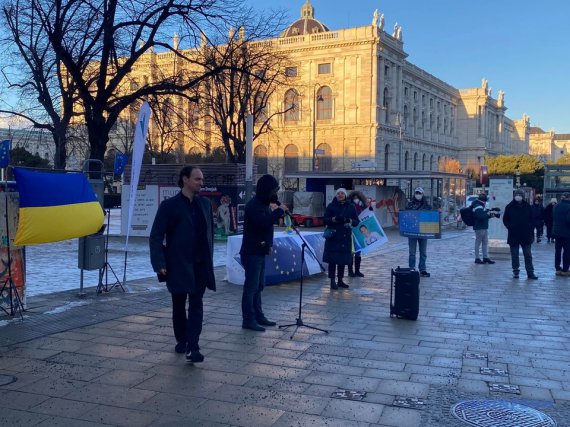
(340,216)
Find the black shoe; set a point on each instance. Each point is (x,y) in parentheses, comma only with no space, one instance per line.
(537,240)
(194,357)
(264,322)
(424,274)
(488,261)
(478,261)
(341,284)
(333,284)
(350,273)
(358,274)
(253,326)
(532,276)
(180,348)
(515,275)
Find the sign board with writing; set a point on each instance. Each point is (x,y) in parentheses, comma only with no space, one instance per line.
(420,224)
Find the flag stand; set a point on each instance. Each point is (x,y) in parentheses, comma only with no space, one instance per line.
(104,287)
(15,301)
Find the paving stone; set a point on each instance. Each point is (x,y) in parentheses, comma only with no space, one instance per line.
(354,410)
(400,417)
(60,407)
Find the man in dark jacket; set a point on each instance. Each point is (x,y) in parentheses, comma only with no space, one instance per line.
(418,203)
(181,252)
(561,232)
(518,220)
(261,212)
(538,218)
(481,228)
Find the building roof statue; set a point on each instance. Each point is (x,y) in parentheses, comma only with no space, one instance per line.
(501,98)
(307,24)
(381,24)
(375,18)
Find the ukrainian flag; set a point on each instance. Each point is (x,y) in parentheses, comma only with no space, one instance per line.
(55,206)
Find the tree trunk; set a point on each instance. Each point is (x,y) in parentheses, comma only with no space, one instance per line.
(60,139)
(98,137)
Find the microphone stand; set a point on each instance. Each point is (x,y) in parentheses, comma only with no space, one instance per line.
(304,246)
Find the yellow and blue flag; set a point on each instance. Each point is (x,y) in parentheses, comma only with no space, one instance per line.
(5,153)
(55,206)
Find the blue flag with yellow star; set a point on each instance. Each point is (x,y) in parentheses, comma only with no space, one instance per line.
(5,153)
(120,163)
(419,224)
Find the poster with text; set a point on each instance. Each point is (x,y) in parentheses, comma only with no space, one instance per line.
(420,224)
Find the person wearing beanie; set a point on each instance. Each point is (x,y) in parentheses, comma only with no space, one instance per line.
(561,233)
(481,227)
(340,216)
(418,203)
(260,214)
(538,218)
(518,220)
(549,219)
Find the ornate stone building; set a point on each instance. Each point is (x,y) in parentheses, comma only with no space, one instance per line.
(549,146)
(353,100)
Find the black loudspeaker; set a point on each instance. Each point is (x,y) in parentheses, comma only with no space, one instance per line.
(405,293)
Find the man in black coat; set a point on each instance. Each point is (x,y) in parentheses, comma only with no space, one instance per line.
(561,232)
(418,203)
(538,218)
(518,220)
(261,212)
(181,252)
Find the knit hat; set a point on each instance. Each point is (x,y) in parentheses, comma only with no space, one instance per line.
(553,200)
(419,190)
(341,190)
(519,193)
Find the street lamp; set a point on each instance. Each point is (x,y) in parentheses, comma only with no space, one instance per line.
(315,100)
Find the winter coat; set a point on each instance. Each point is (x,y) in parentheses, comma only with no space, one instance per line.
(537,215)
(518,220)
(171,244)
(548,215)
(259,219)
(480,215)
(418,205)
(362,205)
(338,248)
(561,216)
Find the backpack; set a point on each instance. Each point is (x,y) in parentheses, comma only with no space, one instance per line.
(467,216)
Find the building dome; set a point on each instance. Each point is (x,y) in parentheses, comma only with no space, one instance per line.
(307,24)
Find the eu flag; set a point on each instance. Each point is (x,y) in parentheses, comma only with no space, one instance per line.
(120,163)
(5,153)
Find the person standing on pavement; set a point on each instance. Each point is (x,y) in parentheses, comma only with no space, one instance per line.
(261,213)
(418,203)
(481,228)
(538,219)
(340,216)
(561,232)
(359,201)
(549,219)
(518,220)
(181,252)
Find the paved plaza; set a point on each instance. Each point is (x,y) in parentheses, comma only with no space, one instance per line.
(481,335)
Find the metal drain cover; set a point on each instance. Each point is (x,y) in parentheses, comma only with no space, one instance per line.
(7,379)
(499,413)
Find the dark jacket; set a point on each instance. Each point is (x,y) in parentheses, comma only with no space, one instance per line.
(418,205)
(548,215)
(537,214)
(480,215)
(259,218)
(173,221)
(338,249)
(518,220)
(561,225)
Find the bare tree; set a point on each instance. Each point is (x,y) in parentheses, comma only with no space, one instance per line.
(46,93)
(167,142)
(256,71)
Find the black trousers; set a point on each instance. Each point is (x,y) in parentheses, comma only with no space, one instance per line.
(562,252)
(527,258)
(339,268)
(187,328)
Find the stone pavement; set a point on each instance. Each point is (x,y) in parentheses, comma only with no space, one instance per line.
(109,359)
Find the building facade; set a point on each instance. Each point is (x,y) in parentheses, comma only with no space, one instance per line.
(548,145)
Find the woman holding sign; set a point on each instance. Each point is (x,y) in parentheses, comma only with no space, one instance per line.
(340,217)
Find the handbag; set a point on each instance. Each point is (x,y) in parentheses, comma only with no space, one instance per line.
(329,232)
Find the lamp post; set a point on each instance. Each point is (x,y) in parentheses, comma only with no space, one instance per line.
(315,100)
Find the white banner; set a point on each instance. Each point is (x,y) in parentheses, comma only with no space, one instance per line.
(368,235)
(138,151)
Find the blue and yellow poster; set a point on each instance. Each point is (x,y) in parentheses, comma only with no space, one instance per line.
(420,224)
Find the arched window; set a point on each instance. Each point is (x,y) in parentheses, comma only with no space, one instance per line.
(324,103)
(291,158)
(193,114)
(431,163)
(424,162)
(261,108)
(260,159)
(386,154)
(406,160)
(415,161)
(291,106)
(324,161)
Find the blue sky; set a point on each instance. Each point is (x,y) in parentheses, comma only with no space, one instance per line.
(520,46)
